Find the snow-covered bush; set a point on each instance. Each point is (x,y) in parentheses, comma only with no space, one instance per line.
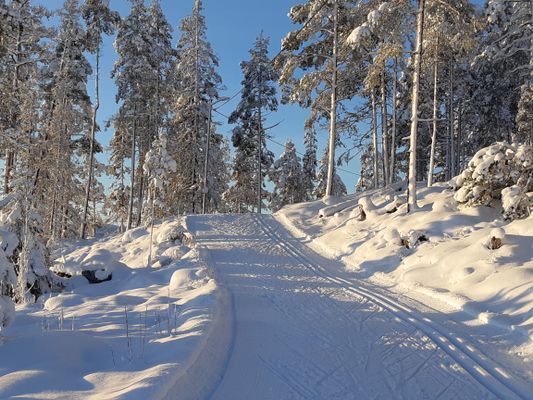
(515,201)
(170,232)
(499,171)
(24,272)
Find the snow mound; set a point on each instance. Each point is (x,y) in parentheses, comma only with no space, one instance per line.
(189,278)
(171,232)
(147,333)
(176,252)
(133,234)
(62,301)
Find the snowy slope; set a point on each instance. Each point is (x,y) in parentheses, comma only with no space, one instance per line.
(453,270)
(141,335)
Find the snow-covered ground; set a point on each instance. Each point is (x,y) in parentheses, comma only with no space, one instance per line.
(452,268)
(311,303)
(303,329)
(145,334)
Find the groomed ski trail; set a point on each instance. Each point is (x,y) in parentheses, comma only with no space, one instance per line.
(303,332)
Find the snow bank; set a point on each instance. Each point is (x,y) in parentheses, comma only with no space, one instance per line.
(147,333)
(441,251)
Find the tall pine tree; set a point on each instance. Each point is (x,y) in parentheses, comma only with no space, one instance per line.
(258,98)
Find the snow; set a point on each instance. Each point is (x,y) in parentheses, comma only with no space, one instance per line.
(146,333)
(313,302)
(358,34)
(304,329)
(454,271)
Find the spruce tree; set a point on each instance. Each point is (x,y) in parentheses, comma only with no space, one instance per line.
(309,163)
(197,85)
(287,176)
(258,98)
(67,111)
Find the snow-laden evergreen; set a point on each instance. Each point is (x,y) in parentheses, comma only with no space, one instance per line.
(252,157)
(309,163)
(287,175)
(197,86)
(158,167)
(500,171)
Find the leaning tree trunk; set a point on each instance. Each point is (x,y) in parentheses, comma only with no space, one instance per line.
(412,198)
(333,108)
(91,149)
(384,133)
(375,139)
(434,133)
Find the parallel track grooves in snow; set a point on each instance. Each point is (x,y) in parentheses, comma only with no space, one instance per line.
(478,366)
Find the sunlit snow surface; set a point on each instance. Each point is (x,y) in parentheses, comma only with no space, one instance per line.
(291,306)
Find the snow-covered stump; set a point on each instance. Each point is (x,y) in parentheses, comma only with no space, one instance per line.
(496,238)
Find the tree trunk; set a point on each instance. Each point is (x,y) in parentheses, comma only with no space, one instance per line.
(259,150)
(196,102)
(394,120)
(132,172)
(375,139)
(451,129)
(458,167)
(9,163)
(206,161)
(333,110)
(91,150)
(51,226)
(412,196)
(434,133)
(140,196)
(384,133)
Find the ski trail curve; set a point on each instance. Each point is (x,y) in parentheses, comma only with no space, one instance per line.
(300,332)
(481,368)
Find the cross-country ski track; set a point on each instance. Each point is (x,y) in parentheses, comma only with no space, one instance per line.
(302,330)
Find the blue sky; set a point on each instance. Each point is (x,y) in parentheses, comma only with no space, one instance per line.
(232,26)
